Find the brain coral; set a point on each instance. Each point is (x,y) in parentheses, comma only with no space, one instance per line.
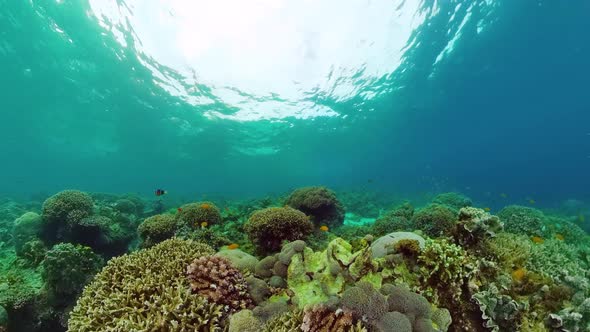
(269,227)
(156,229)
(216,279)
(318,202)
(193,214)
(147,291)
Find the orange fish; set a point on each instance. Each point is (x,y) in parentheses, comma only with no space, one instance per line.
(487,209)
(179,210)
(233,246)
(537,239)
(205,206)
(560,237)
(204,224)
(324,228)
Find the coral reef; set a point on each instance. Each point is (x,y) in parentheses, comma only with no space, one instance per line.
(320,203)
(319,318)
(67,268)
(453,200)
(26,228)
(64,209)
(195,214)
(435,220)
(147,290)
(269,227)
(383,245)
(522,220)
(399,219)
(244,321)
(214,278)
(156,229)
(474,226)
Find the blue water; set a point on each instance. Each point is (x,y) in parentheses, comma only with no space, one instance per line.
(504,110)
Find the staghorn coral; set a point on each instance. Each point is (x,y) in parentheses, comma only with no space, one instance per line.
(156,229)
(214,278)
(269,227)
(320,203)
(435,220)
(67,268)
(320,318)
(522,220)
(193,214)
(147,290)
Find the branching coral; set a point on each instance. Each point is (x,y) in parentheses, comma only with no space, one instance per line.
(147,290)
(67,268)
(268,228)
(214,278)
(318,202)
(156,229)
(435,220)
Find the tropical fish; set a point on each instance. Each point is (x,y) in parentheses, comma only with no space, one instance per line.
(487,209)
(324,228)
(233,246)
(179,210)
(160,192)
(537,239)
(204,224)
(205,206)
(519,274)
(560,237)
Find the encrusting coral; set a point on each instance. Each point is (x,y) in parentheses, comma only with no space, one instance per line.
(214,278)
(268,228)
(147,290)
(320,203)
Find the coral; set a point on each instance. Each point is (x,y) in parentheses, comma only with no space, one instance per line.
(241,260)
(320,318)
(26,228)
(264,268)
(318,202)
(474,226)
(268,228)
(19,285)
(558,259)
(258,289)
(125,206)
(67,268)
(286,322)
(214,278)
(409,303)
(205,235)
(3,319)
(453,200)
(435,220)
(522,220)
(290,249)
(365,301)
(33,252)
(244,321)
(156,229)
(573,318)
(147,290)
(441,319)
(511,251)
(408,247)
(394,321)
(382,245)
(193,214)
(267,310)
(65,208)
(391,222)
(500,312)
(277,282)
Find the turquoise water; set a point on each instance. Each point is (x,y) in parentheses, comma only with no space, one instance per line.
(242,102)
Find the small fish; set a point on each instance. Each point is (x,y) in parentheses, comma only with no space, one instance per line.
(204,224)
(179,210)
(205,206)
(233,246)
(160,192)
(560,237)
(537,239)
(532,201)
(487,209)
(503,195)
(324,228)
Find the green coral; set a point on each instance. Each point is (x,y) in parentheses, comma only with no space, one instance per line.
(26,228)
(522,220)
(156,229)
(244,321)
(268,228)
(435,220)
(320,203)
(558,259)
(286,322)
(67,207)
(67,268)
(194,214)
(19,285)
(147,290)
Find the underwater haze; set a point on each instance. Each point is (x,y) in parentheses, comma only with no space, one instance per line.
(243,98)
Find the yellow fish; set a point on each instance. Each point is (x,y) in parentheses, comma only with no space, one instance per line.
(537,239)
(487,209)
(324,228)
(233,246)
(204,224)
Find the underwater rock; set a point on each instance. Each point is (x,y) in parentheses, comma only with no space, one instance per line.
(381,246)
(241,260)
(320,203)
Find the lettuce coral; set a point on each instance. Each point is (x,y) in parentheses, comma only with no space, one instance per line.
(147,290)
(320,203)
